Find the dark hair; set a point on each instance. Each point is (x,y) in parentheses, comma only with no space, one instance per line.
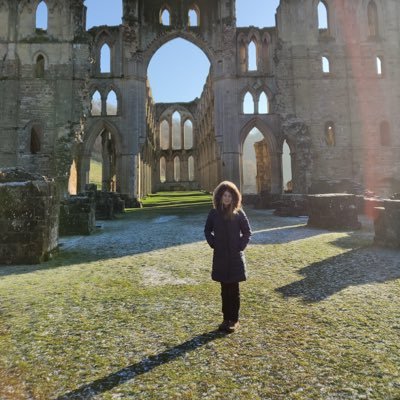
(236,198)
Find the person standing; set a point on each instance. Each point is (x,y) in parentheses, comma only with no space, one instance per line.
(227,231)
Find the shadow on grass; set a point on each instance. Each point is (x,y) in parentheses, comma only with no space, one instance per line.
(124,375)
(362,266)
(283,234)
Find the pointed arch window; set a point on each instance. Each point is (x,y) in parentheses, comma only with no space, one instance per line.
(105,59)
(42,16)
(35,140)
(177,169)
(112,103)
(164,135)
(326,67)
(163,170)
(252,56)
(188,134)
(287,173)
(379,66)
(330,134)
(385,133)
(248,104)
(323,20)
(372,13)
(165,17)
(176,131)
(194,17)
(39,67)
(263,104)
(191,168)
(95,108)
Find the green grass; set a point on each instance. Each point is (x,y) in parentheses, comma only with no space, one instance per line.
(180,199)
(95,174)
(320,320)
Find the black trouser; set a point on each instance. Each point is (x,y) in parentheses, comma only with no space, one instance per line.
(230,301)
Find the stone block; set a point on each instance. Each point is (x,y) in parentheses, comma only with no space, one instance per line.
(29,217)
(387,224)
(333,211)
(77,216)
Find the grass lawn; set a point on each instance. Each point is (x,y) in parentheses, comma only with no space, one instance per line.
(320,314)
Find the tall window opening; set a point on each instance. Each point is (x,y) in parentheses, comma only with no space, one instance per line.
(42,16)
(193,17)
(163,170)
(323,22)
(112,103)
(330,134)
(379,66)
(177,169)
(95,109)
(326,68)
(164,135)
(103,162)
(263,104)
(105,59)
(248,104)
(256,163)
(188,134)
(39,68)
(165,17)
(191,168)
(252,56)
(286,168)
(35,142)
(176,131)
(372,13)
(96,164)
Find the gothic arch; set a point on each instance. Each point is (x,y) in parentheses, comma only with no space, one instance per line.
(194,7)
(117,91)
(166,37)
(104,37)
(273,147)
(83,159)
(44,55)
(95,130)
(165,7)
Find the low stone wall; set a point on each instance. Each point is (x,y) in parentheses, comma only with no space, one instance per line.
(107,203)
(387,224)
(292,205)
(29,217)
(333,211)
(77,216)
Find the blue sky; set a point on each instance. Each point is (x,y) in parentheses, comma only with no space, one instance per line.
(178,70)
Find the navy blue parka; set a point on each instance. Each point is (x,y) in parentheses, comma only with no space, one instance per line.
(228,237)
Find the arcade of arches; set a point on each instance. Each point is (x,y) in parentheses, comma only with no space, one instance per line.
(266,119)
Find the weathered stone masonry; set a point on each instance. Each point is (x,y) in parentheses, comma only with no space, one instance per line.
(333,94)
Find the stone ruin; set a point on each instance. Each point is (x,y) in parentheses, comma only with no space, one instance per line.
(387,224)
(29,217)
(333,211)
(77,216)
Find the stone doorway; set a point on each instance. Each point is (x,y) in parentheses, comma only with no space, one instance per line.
(261,169)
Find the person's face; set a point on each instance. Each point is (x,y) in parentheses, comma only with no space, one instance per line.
(227,198)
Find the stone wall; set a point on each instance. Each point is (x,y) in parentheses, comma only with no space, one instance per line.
(387,224)
(29,217)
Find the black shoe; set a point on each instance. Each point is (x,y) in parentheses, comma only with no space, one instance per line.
(224,326)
